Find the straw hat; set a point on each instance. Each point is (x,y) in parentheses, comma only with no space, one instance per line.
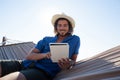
(57,16)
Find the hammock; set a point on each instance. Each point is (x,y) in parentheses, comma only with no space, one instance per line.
(104,66)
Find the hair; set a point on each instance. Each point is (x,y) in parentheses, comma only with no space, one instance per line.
(69,24)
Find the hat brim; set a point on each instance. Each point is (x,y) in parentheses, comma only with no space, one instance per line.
(57,16)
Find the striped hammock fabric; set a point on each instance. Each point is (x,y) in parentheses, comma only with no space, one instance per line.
(104,66)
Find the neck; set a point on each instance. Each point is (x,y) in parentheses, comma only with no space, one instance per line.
(61,37)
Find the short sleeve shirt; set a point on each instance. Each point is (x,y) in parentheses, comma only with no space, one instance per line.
(43,47)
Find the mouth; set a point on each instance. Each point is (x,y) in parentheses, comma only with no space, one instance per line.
(62,33)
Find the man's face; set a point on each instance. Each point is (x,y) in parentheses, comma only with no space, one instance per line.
(62,27)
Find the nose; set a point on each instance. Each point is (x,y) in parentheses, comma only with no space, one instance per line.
(61,27)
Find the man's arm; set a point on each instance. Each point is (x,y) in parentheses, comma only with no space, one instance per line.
(36,55)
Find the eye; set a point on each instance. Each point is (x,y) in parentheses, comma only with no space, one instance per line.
(59,25)
(65,25)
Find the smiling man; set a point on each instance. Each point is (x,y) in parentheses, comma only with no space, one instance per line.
(38,64)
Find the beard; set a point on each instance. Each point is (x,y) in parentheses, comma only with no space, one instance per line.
(63,34)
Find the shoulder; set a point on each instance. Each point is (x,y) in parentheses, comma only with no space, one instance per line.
(76,37)
(45,40)
(73,38)
(48,38)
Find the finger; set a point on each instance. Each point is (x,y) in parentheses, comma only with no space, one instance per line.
(61,65)
(65,60)
(60,61)
(48,56)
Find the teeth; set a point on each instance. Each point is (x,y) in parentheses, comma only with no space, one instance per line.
(62,31)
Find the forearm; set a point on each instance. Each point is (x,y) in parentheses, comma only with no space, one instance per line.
(36,56)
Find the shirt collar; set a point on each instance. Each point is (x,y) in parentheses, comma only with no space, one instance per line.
(66,39)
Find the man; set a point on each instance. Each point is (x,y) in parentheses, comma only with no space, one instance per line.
(38,64)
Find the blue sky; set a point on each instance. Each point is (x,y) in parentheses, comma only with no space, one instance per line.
(97,21)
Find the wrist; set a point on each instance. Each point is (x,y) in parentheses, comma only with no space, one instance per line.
(72,63)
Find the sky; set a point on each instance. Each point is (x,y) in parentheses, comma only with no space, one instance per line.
(97,22)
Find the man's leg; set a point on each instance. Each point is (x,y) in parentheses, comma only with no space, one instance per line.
(14,76)
(7,67)
(27,74)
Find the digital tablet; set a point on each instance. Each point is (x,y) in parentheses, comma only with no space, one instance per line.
(58,51)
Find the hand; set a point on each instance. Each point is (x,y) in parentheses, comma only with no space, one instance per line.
(64,63)
(48,55)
